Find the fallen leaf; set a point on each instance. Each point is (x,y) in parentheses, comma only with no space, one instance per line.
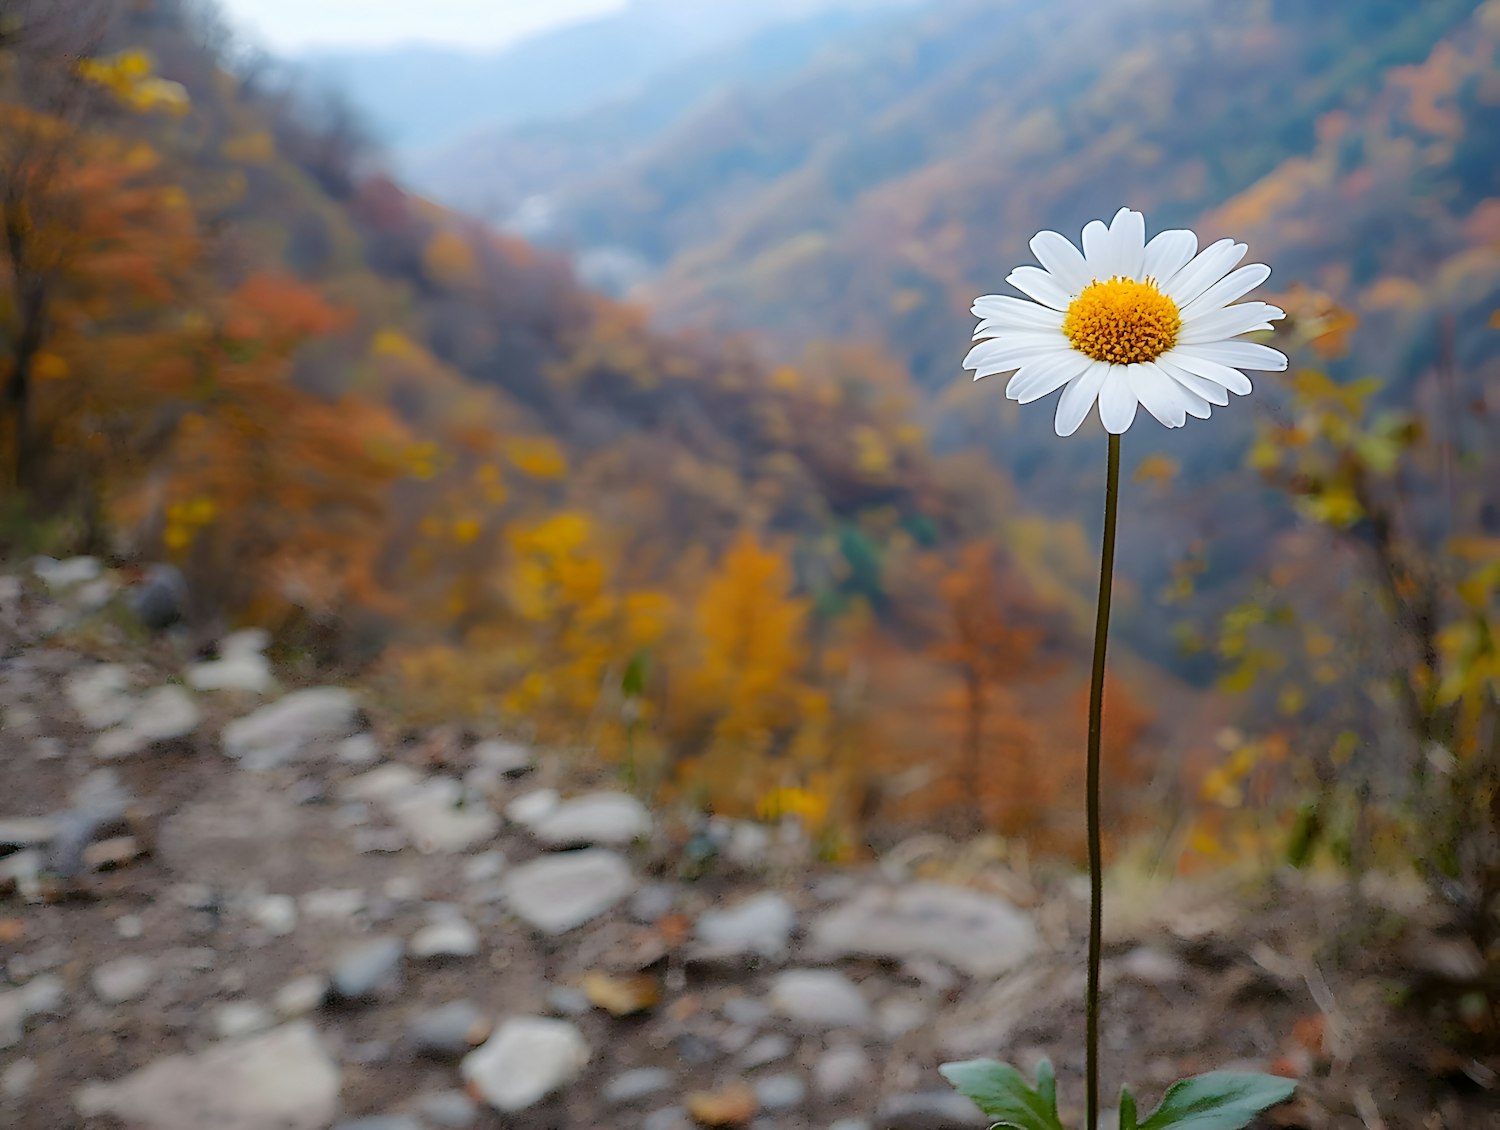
(733,1105)
(621,996)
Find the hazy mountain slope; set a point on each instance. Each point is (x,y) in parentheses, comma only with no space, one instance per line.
(491,171)
(420,96)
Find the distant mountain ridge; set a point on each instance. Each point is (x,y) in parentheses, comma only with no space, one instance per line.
(420,96)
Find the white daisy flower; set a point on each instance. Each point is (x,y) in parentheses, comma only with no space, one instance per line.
(1127,323)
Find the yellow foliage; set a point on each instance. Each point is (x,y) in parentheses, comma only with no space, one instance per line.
(537,456)
(128,76)
(448,260)
(49,367)
(392,343)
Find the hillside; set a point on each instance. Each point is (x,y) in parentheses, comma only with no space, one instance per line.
(422,452)
(872,194)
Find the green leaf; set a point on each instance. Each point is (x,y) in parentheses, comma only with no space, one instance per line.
(1046,1085)
(1220,1100)
(1002,1093)
(1127,1110)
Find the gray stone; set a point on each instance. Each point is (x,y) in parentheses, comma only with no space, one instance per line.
(980,935)
(532,807)
(280,732)
(841,1071)
(448,937)
(849,1124)
(22,871)
(383,785)
(38,997)
(368,970)
(237,1019)
(448,1031)
(484,867)
(101,695)
(526,1060)
(26,831)
(275,914)
(301,995)
(761,925)
(280,1080)
(502,757)
(611,819)
(633,1086)
(668,1118)
(447,1110)
(1152,966)
(767,1049)
(559,893)
(568,1001)
(747,1011)
(333,904)
(361,749)
(819,998)
(441,816)
(651,904)
(17,1078)
(163,715)
(248,672)
(124,979)
(929,1110)
(780,1092)
(58,575)
(381,1122)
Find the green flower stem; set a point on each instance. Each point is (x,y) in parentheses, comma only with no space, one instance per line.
(1096,718)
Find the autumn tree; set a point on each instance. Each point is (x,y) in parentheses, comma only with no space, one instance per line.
(71,195)
(982,641)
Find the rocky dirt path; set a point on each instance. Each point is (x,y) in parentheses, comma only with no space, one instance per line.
(223,906)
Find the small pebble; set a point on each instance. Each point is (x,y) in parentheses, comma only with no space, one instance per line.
(780,1092)
(124,979)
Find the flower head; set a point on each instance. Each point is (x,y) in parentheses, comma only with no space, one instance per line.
(1127,323)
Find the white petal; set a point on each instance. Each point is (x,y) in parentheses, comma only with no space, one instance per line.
(1001,355)
(1041,286)
(1232,379)
(1226,290)
(1099,250)
(1046,375)
(1168,252)
(1239,354)
(1066,263)
(1002,313)
(1196,406)
(1212,264)
(1117,401)
(1156,392)
(1231,321)
(1201,388)
(1129,231)
(1078,398)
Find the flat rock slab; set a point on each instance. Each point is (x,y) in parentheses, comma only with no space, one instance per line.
(759,926)
(820,998)
(278,733)
(558,893)
(615,819)
(526,1060)
(977,934)
(282,1080)
(164,714)
(101,695)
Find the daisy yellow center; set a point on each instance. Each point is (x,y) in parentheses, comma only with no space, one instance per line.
(1122,321)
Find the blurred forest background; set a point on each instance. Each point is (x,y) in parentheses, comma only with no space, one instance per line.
(605,390)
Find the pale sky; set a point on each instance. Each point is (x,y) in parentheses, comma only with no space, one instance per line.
(291,26)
